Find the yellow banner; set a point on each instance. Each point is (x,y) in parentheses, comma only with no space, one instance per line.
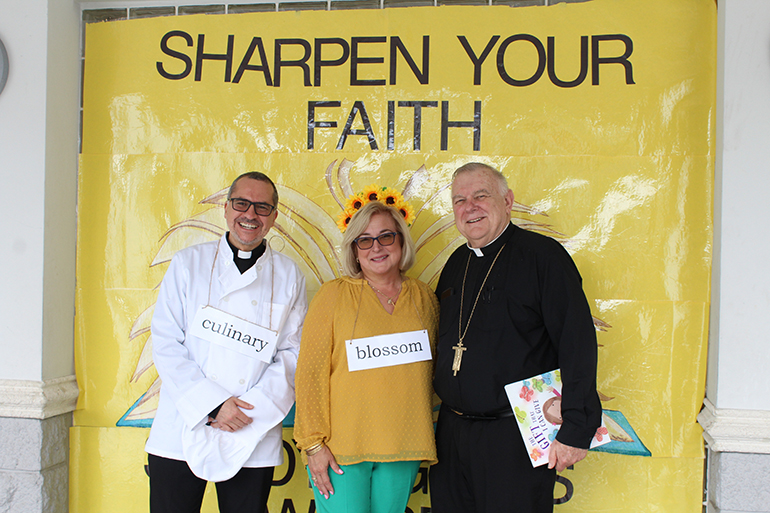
(601,115)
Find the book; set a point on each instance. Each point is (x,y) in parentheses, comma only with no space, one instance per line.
(536,403)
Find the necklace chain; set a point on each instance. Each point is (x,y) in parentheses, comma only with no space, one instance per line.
(391,301)
(459,348)
(462,294)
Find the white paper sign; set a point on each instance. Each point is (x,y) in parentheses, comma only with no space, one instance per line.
(234,333)
(387,350)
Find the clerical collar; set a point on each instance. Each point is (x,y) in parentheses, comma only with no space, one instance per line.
(245,260)
(492,247)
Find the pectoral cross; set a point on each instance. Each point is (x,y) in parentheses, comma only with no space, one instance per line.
(459,348)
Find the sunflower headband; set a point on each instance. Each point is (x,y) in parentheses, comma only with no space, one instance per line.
(385,195)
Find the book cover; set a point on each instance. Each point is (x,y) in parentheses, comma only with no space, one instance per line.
(536,403)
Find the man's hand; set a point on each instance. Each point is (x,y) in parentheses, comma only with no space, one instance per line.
(562,456)
(230,417)
(319,465)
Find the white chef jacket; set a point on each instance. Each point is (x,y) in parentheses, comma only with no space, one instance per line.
(198,376)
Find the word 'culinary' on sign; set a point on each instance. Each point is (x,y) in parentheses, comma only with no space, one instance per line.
(234,333)
(228,330)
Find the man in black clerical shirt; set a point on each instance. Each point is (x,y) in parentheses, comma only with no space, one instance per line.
(223,396)
(512,307)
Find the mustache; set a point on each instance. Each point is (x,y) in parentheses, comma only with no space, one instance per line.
(250,220)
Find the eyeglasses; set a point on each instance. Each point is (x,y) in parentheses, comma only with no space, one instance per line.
(243,205)
(385,239)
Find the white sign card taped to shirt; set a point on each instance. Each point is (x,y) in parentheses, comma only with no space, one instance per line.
(387,350)
(231,332)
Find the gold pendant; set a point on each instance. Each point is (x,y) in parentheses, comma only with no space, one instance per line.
(459,348)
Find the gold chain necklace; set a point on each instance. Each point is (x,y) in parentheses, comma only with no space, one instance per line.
(391,301)
(459,348)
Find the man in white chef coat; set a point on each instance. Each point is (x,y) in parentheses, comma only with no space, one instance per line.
(225,335)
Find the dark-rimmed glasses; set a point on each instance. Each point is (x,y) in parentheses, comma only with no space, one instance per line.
(243,205)
(385,239)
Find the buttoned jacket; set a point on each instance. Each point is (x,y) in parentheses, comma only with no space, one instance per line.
(197,376)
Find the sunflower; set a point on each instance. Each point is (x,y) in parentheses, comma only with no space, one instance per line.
(372,192)
(405,209)
(355,202)
(390,196)
(343,220)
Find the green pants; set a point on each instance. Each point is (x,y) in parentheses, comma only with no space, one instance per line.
(369,487)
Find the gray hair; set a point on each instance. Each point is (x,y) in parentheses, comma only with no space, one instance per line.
(260,177)
(502,182)
(357,226)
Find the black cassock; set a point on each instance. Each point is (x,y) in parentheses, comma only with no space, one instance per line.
(531,317)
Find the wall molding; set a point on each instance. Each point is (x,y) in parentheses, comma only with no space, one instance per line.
(728,430)
(38,399)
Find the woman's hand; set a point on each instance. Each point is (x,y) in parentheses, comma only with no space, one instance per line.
(319,464)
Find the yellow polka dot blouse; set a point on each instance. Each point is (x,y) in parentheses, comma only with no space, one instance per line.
(382,414)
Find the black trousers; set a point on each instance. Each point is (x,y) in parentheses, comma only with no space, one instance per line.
(175,489)
(483,467)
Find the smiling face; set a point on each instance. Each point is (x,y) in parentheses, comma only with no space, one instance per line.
(247,229)
(380,262)
(481,210)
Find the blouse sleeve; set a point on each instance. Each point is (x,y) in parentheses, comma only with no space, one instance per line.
(429,313)
(312,424)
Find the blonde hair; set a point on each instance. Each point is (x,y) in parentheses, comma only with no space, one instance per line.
(358,225)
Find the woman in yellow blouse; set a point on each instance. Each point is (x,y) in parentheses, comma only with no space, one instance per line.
(363,433)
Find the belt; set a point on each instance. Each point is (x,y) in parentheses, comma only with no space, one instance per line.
(497,416)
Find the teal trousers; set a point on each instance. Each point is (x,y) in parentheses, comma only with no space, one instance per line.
(369,487)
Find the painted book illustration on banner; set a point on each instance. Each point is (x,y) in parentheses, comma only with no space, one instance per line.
(536,402)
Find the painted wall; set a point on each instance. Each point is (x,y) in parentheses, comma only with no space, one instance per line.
(38,163)
(738,355)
